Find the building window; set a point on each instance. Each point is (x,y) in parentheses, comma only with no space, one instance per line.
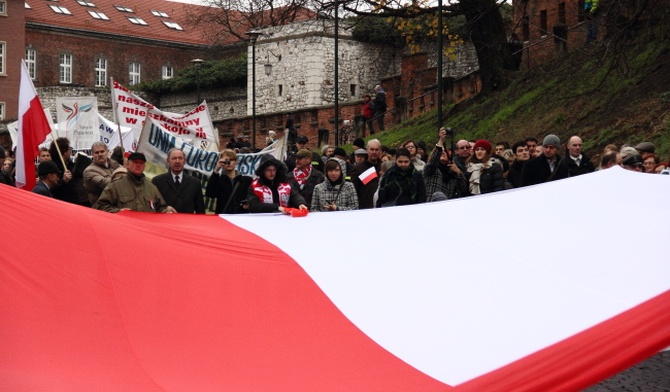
(525,26)
(137,21)
(3,57)
(168,72)
(561,13)
(85,3)
(2,111)
(59,9)
(160,14)
(352,90)
(280,90)
(98,15)
(543,23)
(31,62)
(134,73)
(124,9)
(3,8)
(173,25)
(100,72)
(66,68)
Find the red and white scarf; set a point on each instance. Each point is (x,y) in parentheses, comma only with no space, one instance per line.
(301,175)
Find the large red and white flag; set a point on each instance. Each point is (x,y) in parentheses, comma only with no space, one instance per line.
(33,128)
(254,303)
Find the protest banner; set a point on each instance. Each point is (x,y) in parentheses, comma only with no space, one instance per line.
(155,142)
(77,119)
(195,126)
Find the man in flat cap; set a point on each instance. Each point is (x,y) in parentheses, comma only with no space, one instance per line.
(48,174)
(545,167)
(645,149)
(133,191)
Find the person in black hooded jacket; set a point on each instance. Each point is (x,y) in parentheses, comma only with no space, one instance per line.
(402,184)
(271,191)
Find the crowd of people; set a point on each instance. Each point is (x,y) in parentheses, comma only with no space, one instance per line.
(372,176)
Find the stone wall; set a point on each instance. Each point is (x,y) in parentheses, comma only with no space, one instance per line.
(302,57)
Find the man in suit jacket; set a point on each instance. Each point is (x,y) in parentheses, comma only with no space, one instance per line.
(47,172)
(180,190)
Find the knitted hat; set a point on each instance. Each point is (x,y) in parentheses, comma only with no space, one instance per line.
(483,144)
(339,151)
(552,140)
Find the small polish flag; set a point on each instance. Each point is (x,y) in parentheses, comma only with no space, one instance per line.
(368,175)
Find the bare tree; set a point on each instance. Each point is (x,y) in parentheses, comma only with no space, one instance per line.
(233,18)
(485,27)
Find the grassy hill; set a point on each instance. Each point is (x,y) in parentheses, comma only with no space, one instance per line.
(605,94)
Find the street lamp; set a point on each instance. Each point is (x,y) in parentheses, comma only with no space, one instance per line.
(253,37)
(439,64)
(197,63)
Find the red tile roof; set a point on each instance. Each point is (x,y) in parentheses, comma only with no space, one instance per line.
(169,21)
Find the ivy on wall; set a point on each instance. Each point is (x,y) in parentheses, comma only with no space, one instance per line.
(212,74)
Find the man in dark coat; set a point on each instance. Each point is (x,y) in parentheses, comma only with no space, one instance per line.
(48,173)
(366,185)
(575,162)
(181,191)
(545,167)
(521,156)
(304,177)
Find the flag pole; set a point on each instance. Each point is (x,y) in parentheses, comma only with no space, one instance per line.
(118,126)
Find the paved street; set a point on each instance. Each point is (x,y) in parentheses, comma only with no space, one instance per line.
(652,375)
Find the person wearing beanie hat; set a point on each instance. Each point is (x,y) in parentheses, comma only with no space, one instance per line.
(483,144)
(271,192)
(551,140)
(484,173)
(546,166)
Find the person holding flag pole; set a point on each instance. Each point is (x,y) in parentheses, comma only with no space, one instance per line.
(33,129)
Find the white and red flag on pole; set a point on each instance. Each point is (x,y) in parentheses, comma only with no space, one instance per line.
(368,175)
(32,130)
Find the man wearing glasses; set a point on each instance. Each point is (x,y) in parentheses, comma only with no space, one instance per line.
(463,152)
(228,186)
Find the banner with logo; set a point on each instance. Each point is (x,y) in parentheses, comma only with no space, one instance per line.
(77,119)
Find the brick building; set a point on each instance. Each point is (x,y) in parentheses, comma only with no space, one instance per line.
(73,47)
(84,43)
